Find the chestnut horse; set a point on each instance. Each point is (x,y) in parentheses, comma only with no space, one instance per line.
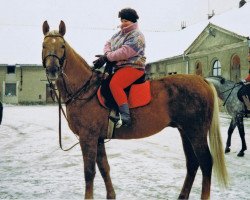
(186,102)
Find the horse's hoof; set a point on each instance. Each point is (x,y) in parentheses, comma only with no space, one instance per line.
(240,154)
(227,150)
(111,195)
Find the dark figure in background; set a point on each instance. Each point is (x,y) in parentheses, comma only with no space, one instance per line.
(1,112)
(245,92)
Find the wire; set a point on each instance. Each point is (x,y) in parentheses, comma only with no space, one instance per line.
(112,29)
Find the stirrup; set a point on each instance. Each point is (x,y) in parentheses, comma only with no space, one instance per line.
(118,122)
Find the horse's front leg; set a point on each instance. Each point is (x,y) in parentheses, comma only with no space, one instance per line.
(240,125)
(104,168)
(229,135)
(89,152)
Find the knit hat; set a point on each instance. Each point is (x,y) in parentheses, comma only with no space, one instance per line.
(128,14)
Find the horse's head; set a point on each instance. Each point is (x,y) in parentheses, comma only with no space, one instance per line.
(53,53)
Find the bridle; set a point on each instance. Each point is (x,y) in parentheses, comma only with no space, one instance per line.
(222,80)
(61,60)
(71,96)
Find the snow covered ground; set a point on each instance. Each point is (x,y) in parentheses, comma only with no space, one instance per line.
(32,166)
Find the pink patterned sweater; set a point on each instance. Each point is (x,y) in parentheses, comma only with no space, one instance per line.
(127,47)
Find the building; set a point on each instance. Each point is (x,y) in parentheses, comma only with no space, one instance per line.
(24,84)
(219,46)
(216,51)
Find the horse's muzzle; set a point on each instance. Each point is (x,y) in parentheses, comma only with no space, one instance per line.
(52,72)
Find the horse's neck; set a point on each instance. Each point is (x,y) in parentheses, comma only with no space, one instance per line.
(76,72)
(226,90)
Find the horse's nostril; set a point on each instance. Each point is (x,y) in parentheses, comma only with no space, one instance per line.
(52,70)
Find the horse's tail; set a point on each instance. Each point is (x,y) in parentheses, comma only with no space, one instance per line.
(216,146)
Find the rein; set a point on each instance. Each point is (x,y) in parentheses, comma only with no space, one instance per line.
(71,97)
(235,85)
(60,110)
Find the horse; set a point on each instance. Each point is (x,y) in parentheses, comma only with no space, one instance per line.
(186,102)
(227,91)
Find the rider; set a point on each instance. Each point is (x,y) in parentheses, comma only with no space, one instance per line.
(126,47)
(246,92)
(1,112)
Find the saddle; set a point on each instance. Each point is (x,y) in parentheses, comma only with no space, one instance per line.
(138,94)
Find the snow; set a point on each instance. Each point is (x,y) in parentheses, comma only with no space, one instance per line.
(33,166)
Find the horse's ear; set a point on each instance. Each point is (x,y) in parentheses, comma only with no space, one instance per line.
(45,27)
(62,28)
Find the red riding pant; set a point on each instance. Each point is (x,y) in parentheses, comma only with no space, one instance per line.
(122,79)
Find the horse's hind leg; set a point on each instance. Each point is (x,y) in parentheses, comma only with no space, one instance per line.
(229,135)
(192,167)
(198,140)
(240,125)
(104,168)
(205,160)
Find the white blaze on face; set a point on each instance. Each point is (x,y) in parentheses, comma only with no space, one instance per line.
(53,40)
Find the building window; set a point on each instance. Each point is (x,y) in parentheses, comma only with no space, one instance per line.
(10,89)
(217,68)
(11,69)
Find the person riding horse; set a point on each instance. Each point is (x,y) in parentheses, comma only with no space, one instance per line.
(126,48)
(245,92)
(174,103)
(1,112)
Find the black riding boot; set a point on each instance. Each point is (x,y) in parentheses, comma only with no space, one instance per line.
(125,115)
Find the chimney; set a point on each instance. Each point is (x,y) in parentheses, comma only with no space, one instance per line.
(211,15)
(242,3)
(183,25)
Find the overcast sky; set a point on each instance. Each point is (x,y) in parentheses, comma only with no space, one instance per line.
(155,15)
(91,23)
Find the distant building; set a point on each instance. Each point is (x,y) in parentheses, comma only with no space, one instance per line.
(215,51)
(23,84)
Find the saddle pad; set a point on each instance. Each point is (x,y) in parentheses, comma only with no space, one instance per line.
(139,95)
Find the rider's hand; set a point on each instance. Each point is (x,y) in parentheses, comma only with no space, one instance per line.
(98,63)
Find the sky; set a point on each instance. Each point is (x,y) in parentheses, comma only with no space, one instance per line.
(155,15)
(91,23)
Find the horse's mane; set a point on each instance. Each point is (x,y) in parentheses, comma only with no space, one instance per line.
(78,55)
(221,78)
(56,33)
(53,33)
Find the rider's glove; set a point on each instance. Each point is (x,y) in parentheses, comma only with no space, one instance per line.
(98,63)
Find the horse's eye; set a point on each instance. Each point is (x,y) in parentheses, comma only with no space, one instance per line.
(63,46)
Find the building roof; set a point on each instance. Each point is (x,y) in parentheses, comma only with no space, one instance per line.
(172,44)
(23,44)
